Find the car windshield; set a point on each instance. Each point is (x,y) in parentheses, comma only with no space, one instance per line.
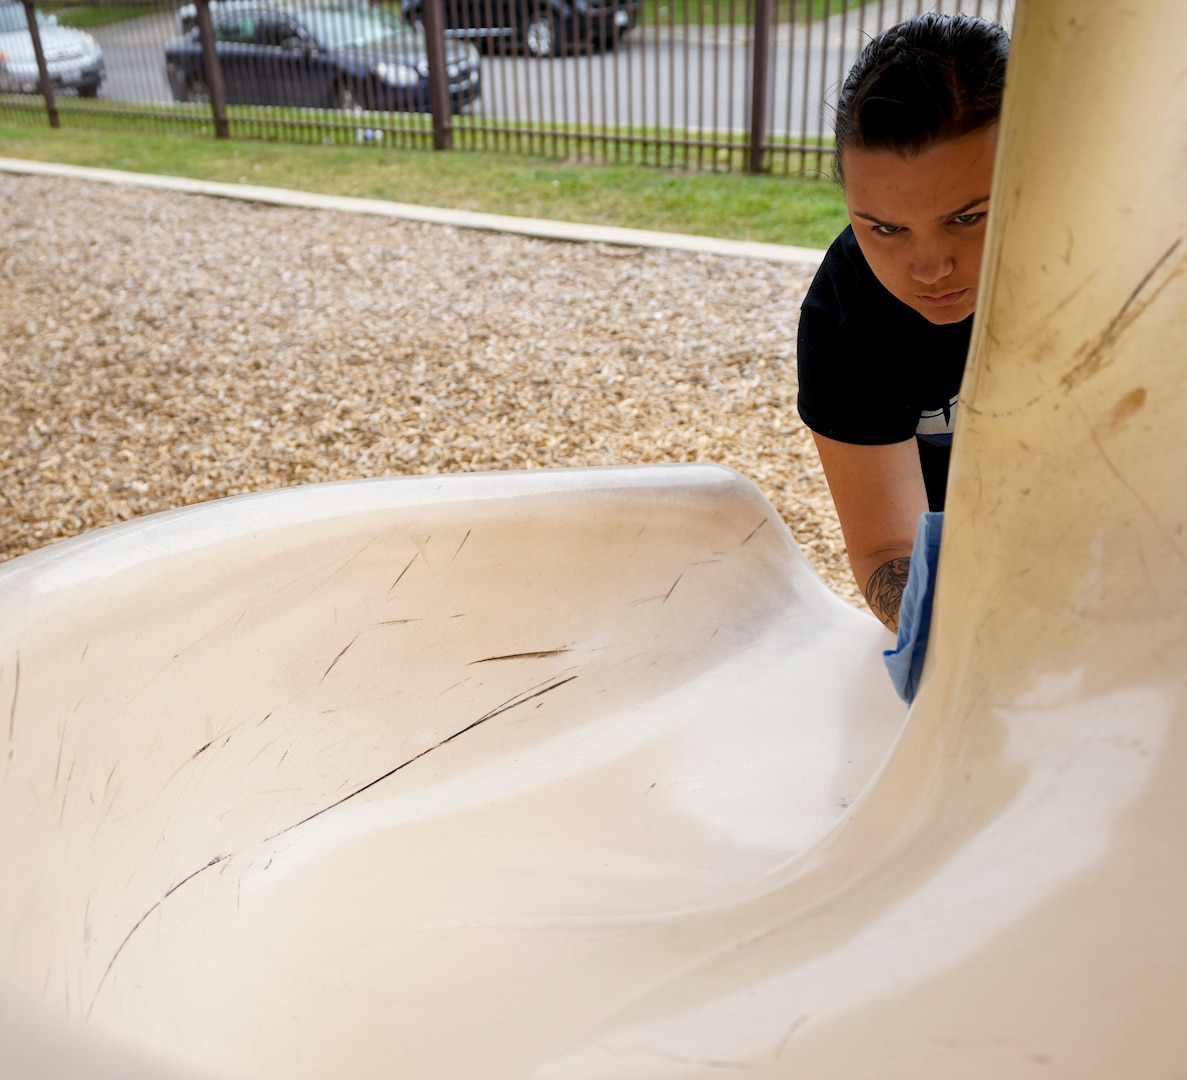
(342,27)
(12,17)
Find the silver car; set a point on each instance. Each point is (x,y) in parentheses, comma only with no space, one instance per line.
(73,57)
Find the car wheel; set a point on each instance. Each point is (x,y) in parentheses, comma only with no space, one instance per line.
(539,37)
(196,90)
(89,90)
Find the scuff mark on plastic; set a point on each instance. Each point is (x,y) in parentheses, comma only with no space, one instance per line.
(16,690)
(1093,360)
(674,584)
(461,545)
(337,658)
(400,576)
(750,535)
(519,699)
(140,922)
(522,656)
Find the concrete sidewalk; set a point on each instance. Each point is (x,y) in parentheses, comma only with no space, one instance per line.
(462,219)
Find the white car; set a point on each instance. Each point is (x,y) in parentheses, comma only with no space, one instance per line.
(73,57)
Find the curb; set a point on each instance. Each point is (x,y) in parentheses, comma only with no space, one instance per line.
(463,219)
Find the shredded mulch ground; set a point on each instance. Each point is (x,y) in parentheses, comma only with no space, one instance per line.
(160,349)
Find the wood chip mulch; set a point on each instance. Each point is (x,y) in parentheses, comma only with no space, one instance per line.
(160,349)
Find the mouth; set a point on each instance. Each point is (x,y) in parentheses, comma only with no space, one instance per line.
(941,299)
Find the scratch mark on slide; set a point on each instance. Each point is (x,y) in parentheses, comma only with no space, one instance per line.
(750,535)
(521,656)
(66,793)
(461,545)
(339,570)
(673,588)
(1092,361)
(337,658)
(261,751)
(510,703)
(788,1035)
(1133,491)
(402,573)
(16,689)
(140,922)
(61,745)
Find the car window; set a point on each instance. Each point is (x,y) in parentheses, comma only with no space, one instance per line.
(240,28)
(274,30)
(346,26)
(12,17)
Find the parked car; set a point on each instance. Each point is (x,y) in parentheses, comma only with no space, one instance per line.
(321,57)
(187,14)
(538,27)
(72,57)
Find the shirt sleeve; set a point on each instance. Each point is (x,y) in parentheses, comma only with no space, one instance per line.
(851,388)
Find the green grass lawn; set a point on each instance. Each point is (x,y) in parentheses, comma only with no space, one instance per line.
(771,209)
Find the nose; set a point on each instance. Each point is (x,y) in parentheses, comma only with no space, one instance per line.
(931,263)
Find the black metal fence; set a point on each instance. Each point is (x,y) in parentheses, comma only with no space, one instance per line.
(694,84)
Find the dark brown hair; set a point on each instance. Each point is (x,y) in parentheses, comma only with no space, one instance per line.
(931,78)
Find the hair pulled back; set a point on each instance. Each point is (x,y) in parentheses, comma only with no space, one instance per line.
(931,78)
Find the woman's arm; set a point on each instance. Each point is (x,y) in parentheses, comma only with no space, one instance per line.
(879,495)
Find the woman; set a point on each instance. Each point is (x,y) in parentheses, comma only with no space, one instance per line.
(885,326)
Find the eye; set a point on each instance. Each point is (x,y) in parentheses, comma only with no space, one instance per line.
(887,230)
(969,219)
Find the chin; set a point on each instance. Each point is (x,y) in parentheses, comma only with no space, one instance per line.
(946,316)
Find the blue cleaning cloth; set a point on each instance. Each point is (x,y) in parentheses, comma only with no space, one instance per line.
(905,660)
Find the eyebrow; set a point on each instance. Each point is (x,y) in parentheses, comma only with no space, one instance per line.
(952,213)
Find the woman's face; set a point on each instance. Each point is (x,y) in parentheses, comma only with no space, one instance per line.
(920,221)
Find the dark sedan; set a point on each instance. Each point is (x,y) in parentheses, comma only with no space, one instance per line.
(538,27)
(319,57)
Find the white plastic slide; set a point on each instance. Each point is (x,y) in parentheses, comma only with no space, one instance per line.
(348,762)
(586,775)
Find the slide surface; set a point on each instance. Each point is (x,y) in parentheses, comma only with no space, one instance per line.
(585,774)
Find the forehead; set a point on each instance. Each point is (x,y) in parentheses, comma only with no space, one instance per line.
(895,187)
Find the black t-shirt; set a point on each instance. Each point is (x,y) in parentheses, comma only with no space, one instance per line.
(874,371)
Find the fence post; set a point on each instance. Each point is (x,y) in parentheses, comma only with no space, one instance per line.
(759,67)
(47,86)
(214,71)
(434,18)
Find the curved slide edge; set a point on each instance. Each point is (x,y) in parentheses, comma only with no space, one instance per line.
(282,760)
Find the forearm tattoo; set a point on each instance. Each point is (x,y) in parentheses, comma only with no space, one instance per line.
(884,591)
